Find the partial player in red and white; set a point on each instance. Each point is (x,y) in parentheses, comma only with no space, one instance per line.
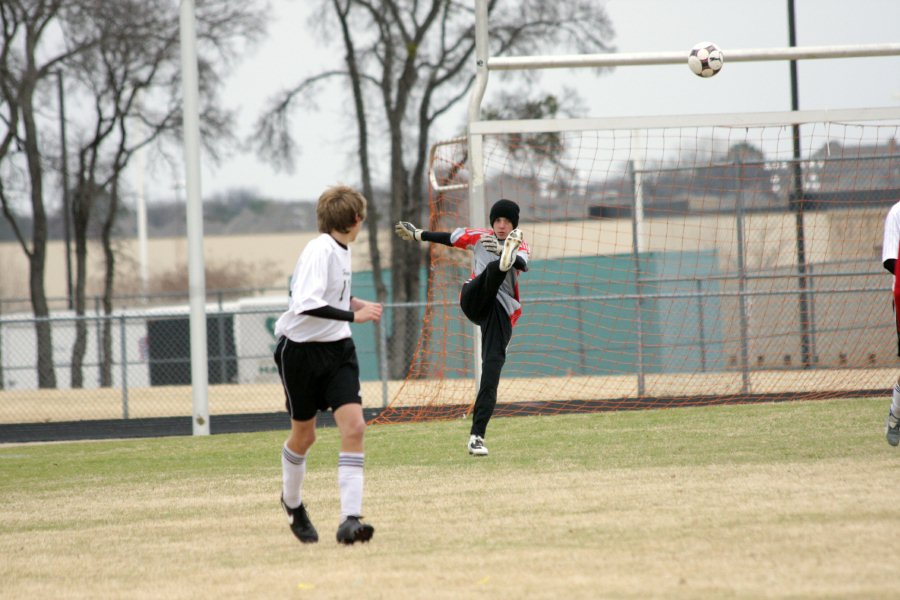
(890,251)
(489,298)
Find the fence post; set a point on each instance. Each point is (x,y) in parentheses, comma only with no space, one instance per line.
(637,224)
(2,371)
(582,348)
(701,326)
(811,313)
(123,361)
(743,313)
(98,332)
(383,360)
(220,327)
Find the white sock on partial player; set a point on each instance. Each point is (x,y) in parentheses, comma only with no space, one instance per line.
(895,401)
(293,470)
(350,479)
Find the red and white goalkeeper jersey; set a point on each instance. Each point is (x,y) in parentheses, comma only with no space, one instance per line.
(891,247)
(467,238)
(891,250)
(321,278)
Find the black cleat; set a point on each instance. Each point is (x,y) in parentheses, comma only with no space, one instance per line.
(352,531)
(892,429)
(300,524)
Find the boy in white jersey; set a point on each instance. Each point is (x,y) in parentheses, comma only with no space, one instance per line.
(889,255)
(489,298)
(317,362)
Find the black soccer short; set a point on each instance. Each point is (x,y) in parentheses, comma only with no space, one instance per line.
(317,376)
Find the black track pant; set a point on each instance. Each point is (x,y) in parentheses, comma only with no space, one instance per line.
(479,303)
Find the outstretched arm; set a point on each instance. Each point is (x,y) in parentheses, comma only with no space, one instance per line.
(410,232)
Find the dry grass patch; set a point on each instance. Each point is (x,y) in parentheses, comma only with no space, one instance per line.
(590,506)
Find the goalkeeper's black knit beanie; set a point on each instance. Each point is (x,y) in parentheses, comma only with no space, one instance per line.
(505,208)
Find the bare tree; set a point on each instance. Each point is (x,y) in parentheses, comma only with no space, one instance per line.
(417,58)
(26,60)
(132,78)
(121,60)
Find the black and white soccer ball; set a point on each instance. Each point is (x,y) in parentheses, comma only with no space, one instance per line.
(706,59)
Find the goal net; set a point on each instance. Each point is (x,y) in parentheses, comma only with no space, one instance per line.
(678,261)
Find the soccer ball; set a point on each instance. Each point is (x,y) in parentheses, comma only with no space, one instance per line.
(706,59)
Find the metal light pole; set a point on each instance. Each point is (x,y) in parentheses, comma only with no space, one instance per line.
(796,201)
(196,275)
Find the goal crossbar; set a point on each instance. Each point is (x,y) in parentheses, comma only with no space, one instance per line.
(509,63)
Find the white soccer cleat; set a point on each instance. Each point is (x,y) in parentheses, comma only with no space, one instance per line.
(476,446)
(510,247)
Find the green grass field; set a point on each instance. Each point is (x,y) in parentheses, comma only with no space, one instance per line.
(795,500)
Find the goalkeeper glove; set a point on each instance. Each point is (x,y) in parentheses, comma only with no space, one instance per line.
(408,231)
(491,244)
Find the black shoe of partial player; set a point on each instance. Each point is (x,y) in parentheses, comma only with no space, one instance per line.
(352,531)
(300,524)
(892,429)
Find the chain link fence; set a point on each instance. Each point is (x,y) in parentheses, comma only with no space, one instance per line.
(136,363)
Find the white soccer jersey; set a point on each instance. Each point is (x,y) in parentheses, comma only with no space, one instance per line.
(321,278)
(891,234)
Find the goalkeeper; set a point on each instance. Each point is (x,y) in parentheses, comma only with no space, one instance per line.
(489,298)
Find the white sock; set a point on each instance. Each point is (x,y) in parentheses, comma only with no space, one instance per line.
(350,479)
(293,470)
(895,401)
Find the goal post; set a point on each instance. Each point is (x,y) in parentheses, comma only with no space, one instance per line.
(676,259)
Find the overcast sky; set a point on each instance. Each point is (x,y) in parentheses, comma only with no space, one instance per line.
(327,143)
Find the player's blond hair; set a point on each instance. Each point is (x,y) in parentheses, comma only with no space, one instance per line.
(338,209)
